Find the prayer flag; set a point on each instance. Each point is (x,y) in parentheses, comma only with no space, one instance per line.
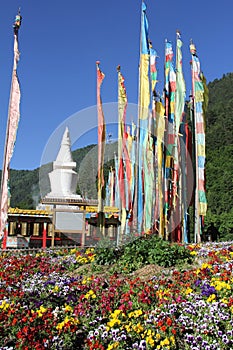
(12,126)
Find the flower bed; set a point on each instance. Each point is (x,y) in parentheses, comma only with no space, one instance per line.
(46,304)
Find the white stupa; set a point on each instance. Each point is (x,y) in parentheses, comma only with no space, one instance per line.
(63,178)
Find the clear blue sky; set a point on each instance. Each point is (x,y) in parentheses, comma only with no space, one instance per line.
(60,41)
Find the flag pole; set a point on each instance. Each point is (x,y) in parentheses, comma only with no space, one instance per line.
(101,151)
(11,129)
(135,205)
(197,236)
(143,107)
(121,172)
(200,100)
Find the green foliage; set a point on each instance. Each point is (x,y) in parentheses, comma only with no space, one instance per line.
(219,151)
(24,188)
(106,252)
(219,172)
(106,256)
(149,249)
(87,165)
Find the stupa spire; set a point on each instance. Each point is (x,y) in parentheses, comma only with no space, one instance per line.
(63,178)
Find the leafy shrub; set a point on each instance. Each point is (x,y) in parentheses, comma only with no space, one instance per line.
(148,249)
(106,255)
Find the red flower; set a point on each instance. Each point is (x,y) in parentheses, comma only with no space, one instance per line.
(169,321)
(25,330)
(14,321)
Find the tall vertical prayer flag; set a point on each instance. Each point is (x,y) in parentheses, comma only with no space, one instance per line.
(184,135)
(101,137)
(153,69)
(144,102)
(11,132)
(179,110)
(123,153)
(132,151)
(199,104)
(160,128)
(144,86)
(122,105)
(180,85)
(117,196)
(110,188)
(170,87)
(149,187)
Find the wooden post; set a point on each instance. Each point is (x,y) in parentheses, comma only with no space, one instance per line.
(83,229)
(52,239)
(44,235)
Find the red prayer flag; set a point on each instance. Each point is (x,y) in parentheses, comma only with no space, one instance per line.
(101,129)
(12,126)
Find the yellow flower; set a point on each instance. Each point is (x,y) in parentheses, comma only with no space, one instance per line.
(149,332)
(56,289)
(165,342)
(193,252)
(162,293)
(188,291)
(135,313)
(114,321)
(113,346)
(67,320)
(206,266)
(90,294)
(115,313)
(41,311)
(219,285)
(60,325)
(114,318)
(150,341)
(86,280)
(128,327)
(212,297)
(224,301)
(172,338)
(81,259)
(91,257)
(68,308)
(137,328)
(73,251)
(89,250)
(4,305)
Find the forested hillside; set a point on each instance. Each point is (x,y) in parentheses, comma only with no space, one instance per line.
(26,187)
(219,153)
